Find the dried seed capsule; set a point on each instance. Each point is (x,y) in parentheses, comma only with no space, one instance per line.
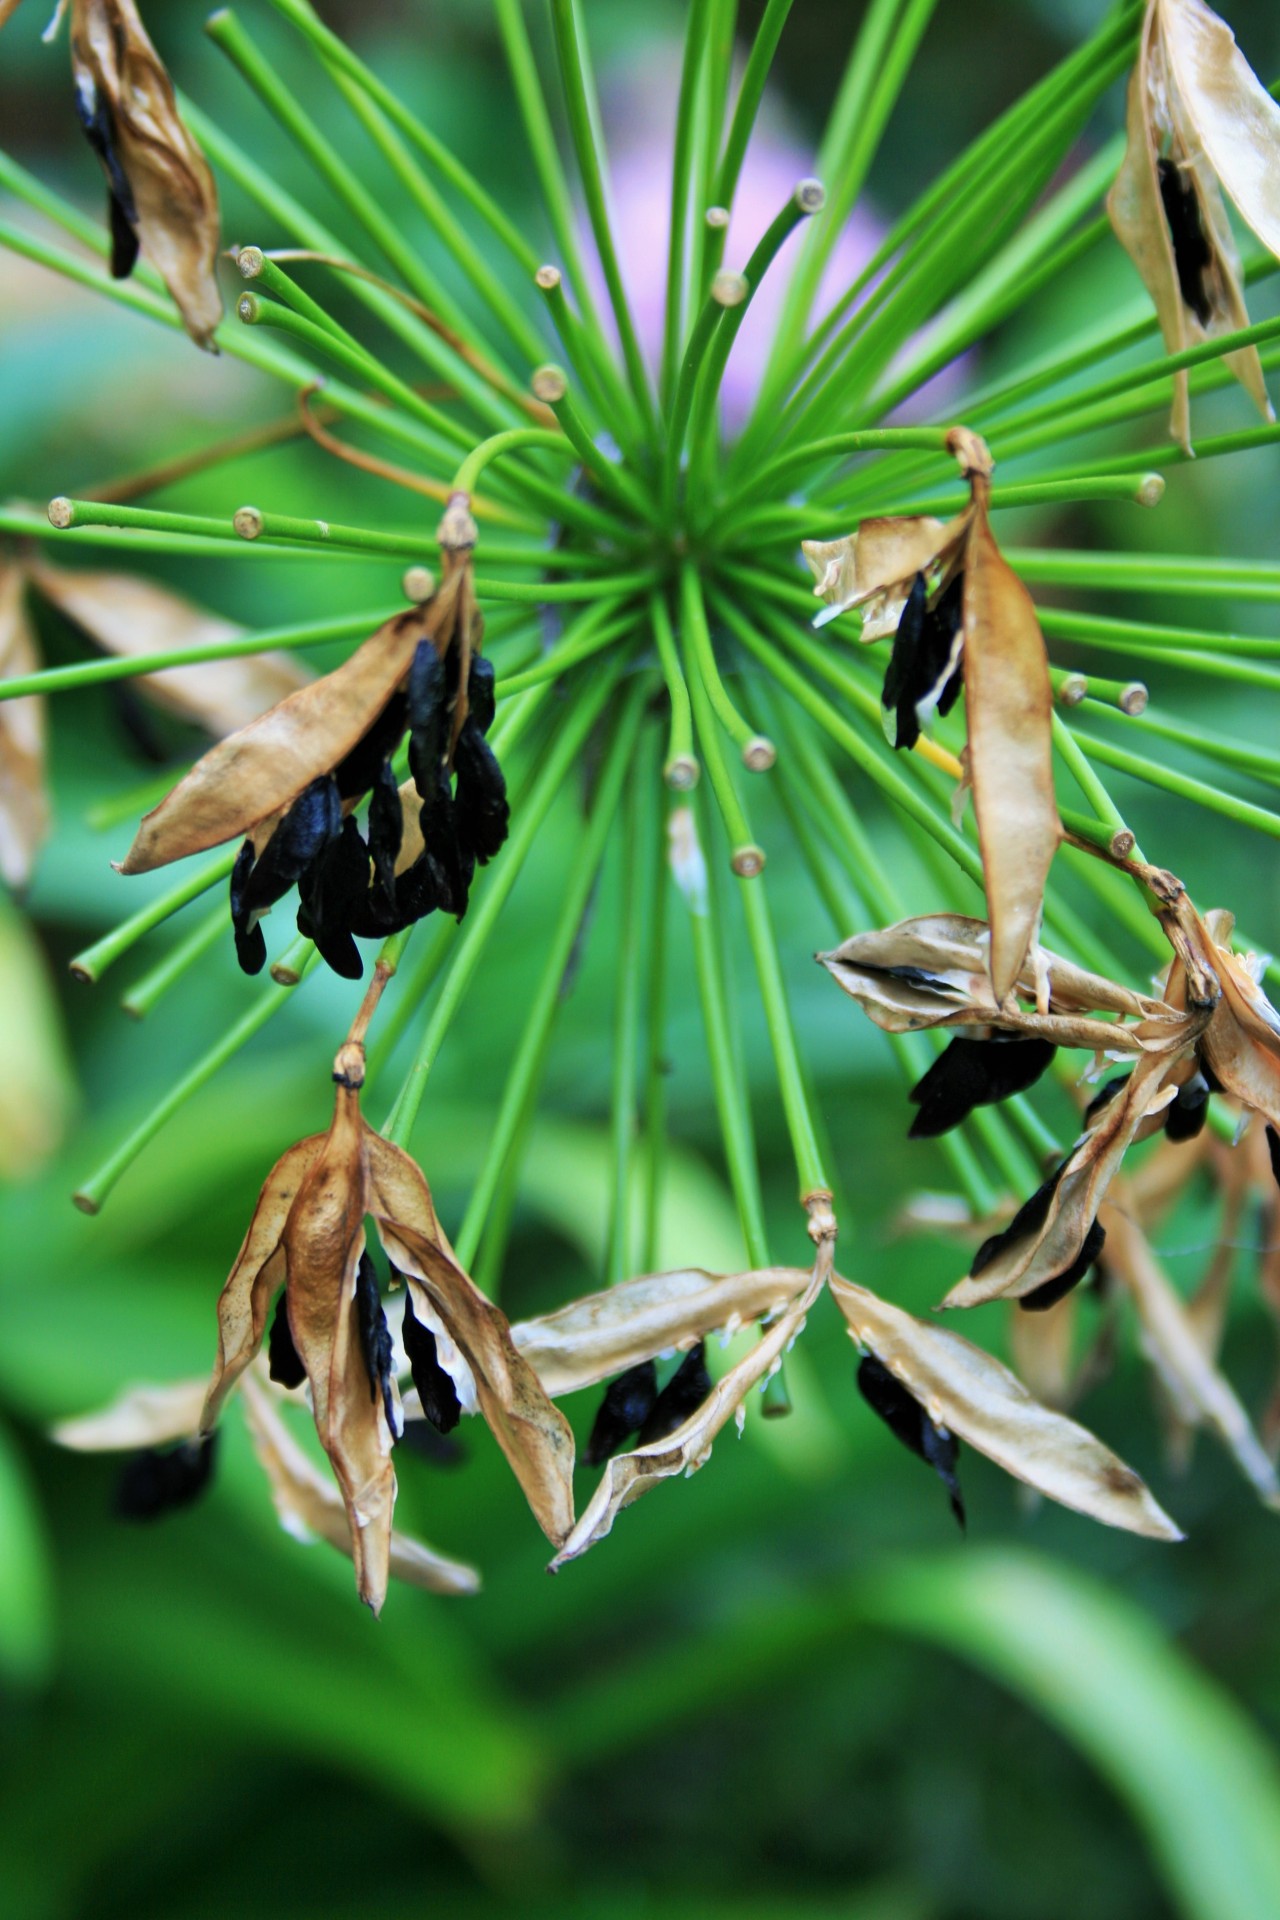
(251,945)
(1189,1110)
(439,1396)
(1029,1218)
(157,1480)
(1273,1151)
(908,1422)
(375,1341)
(627,1405)
(99,130)
(283,1363)
(1104,1096)
(975,1073)
(683,1394)
(1050,1291)
(1191,253)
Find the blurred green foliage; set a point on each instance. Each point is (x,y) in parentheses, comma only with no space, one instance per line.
(781,1689)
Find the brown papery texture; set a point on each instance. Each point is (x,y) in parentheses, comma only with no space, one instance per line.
(176,202)
(1236,121)
(24,805)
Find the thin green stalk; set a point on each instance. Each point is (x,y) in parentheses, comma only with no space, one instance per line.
(653,883)
(757,753)
(588,637)
(92,962)
(1098,630)
(1146,573)
(623,488)
(499,879)
(746,857)
(1261,762)
(695,53)
(156,982)
(270,277)
(750,94)
(90,673)
(772,476)
(727,290)
(526,1070)
(1199,792)
(89,1197)
(588,144)
(590,360)
(640,814)
(810,1169)
(681,769)
(537,593)
(733,1108)
(1074,758)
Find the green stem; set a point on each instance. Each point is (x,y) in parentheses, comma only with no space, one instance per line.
(680,769)
(92,962)
(640,814)
(725,290)
(590,360)
(1199,792)
(90,1196)
(653,884)
(695,52)
(145,993)
(750,94)
(623,488)
(589,636)
(746,857)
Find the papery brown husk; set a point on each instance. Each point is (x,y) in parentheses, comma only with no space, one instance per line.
(24,803)
(173,191)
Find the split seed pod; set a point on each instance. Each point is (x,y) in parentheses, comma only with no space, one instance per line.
(162,195)
(24,804)
(1198,120)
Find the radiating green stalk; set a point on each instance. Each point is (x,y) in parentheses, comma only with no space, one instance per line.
(225,30)
(90,1196)
(640,814)
(772,476)
(750,93)
(1145,489)
(725,290)
(525,1073)
(537,593)
(695,53)
(733,1108)
(204,936)
(613,480)
(92,962)
(1146,573)
(588,144)
(270,277)
(1261,762)
(90,673)
(591,362)
(565,747)
(589,636)
(1072,754)
(755,750)
(1199,792)
(1171,643)
(681,768)
(745,856)
(653,880)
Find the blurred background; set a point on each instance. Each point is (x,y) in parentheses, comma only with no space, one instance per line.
(782,1688)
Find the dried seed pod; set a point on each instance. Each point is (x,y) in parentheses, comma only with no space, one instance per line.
(156,1481)
(375,1343)
(436,1390)
(683,1394)
(627,1405)
(1049,1292)
(908,1422)
(1188,1110)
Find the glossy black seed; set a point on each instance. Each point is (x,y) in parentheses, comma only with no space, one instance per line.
(1049,1292)
(975,1073)
(358,772)
(902,674)
(158,1480)
(418,889)
(99,130)
(1273,1149)
(439,1396)
(1104,1096)
(124,240)
(1029,1218)
(942,623)
(1191,254)
(481,813)
(332,894)
(1211,1079)
(314,819)
(482,699)
(251,945)
(628,1402)
(908,1422)
(683,1394)
(375,1341)
(425,709)
(1188,1111)
(283,1363)
(386,831)
(921,673)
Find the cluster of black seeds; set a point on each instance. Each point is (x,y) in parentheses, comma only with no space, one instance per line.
(347,885)
(633,1405)
(910,1423)
(1191,255)
(923,675)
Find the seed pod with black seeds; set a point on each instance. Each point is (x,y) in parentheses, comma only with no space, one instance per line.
(1191,253)
(331,894)
(628,1403)
(1029,1218)
(251,945)
(283,1364)
(1188,1111)
(908,1422)
(99,130)
(357,772)
(1049,1292)
(1104,1096)
(314,819)
(683,1394)
(375,1342)
(156,1481)
(975,1073)
(439,1396)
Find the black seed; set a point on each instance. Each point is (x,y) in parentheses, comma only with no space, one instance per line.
(1211,1079)
(314,819)
(99,130)
(439,1396)
(902,674)
(481,693)
(375,1341)
(1273,1149)
(358,772)
(908,1422)
(1049,1292)
(386,830)
(425,710)
(1029,1218)
(975,1073)
(418,889)
(941,624)
(283,1363)
(1191,254)
(481,813)
(332,895)
(124,240)
(157,1481)
(251,945)
(683,1394)
(1187,1113)
(627,1405)
(1104,1096)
